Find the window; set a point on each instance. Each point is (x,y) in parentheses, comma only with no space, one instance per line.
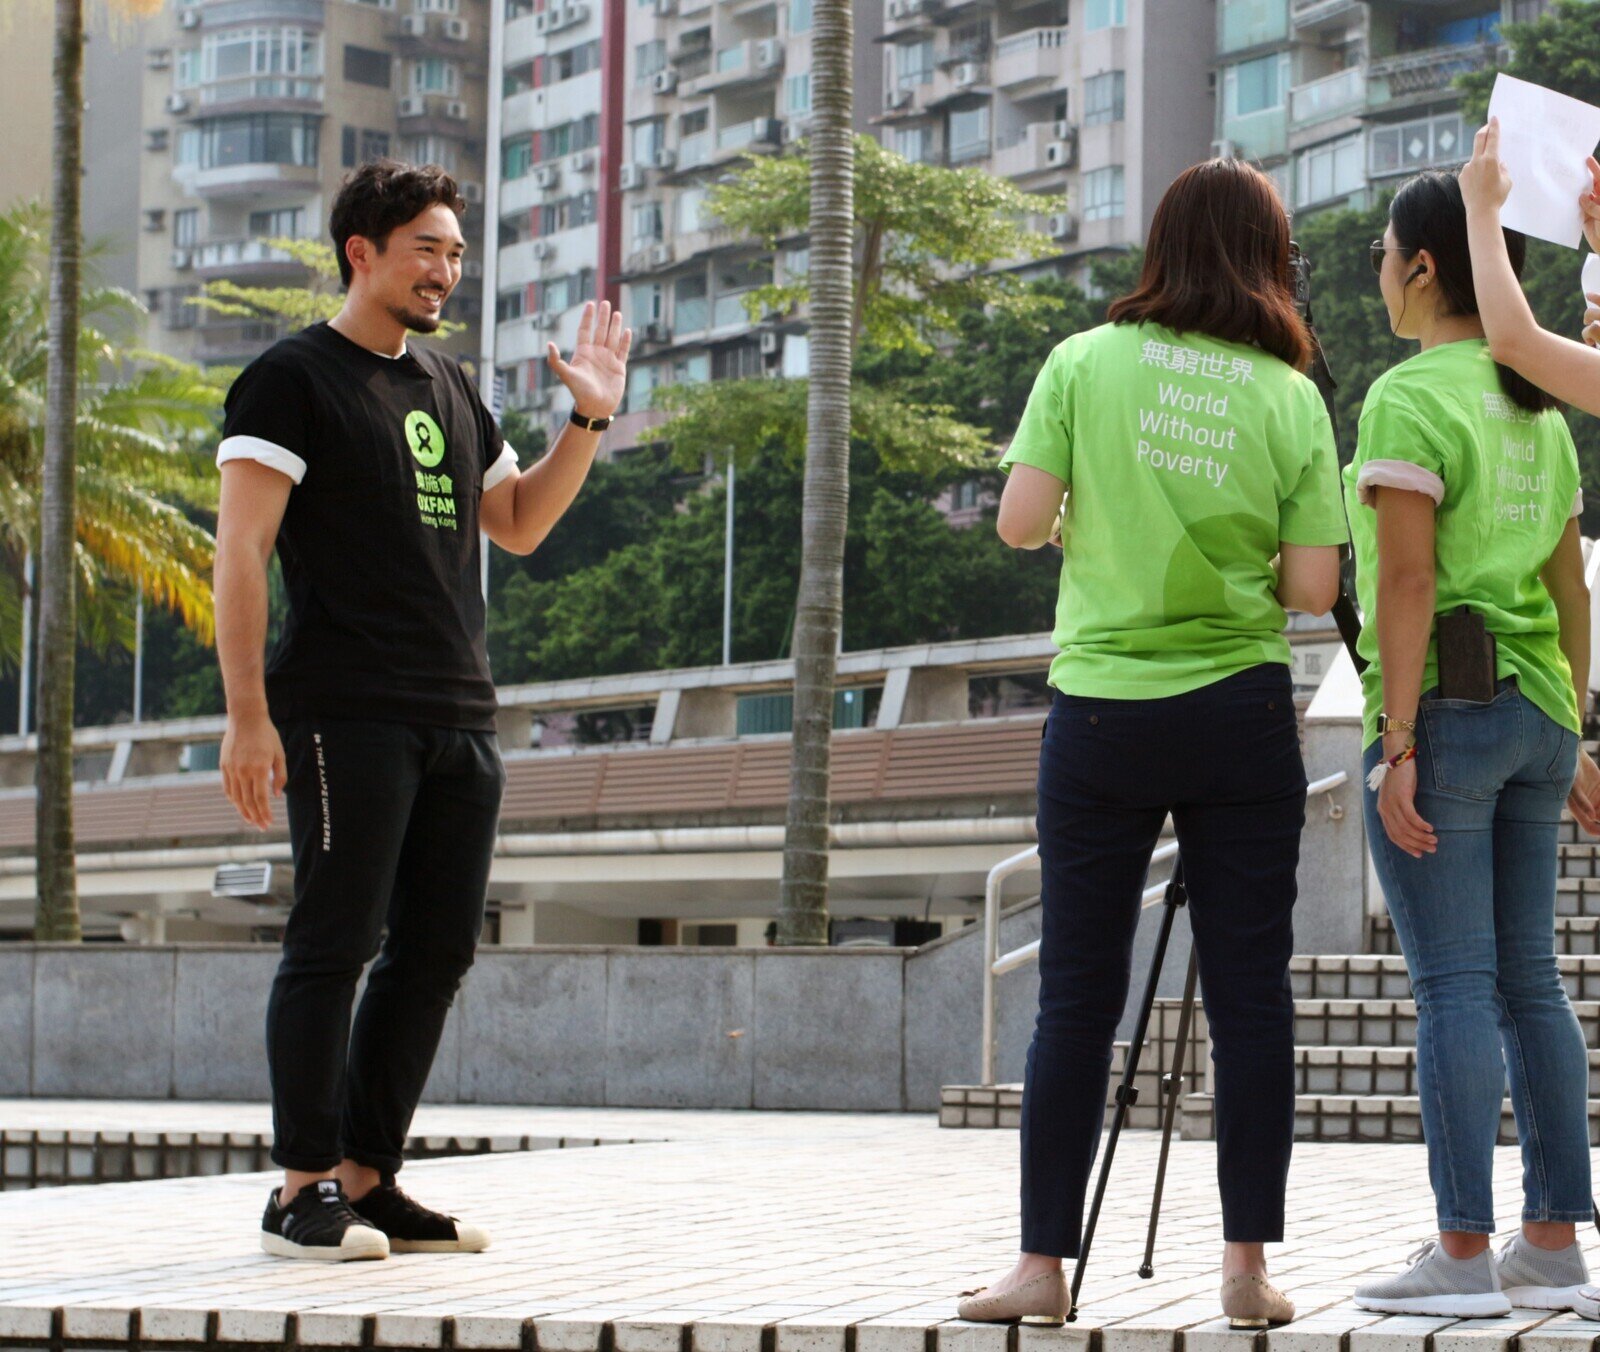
(1255,86)
(1103,97)
(436,6)
(284,223)
(238,52)
(572,62)
(648,59)
(510,305)
(642,381)
(914,143)
(691,303)
(1411,146)
(797,262)
(649,303)
(690,209)
(440,150)
(518,80)
(1104,14)
(646,223)
(736,361)
(567,137)
(361,146)
(364,66)
(648,137)
(186,74)
(433,75)
(797,94)
(969,133)
(1327,171)
(186,227)
(799,15)
(1103,194)
(188,146)
(568,213)
(259,138)
(914,63)
(518,159)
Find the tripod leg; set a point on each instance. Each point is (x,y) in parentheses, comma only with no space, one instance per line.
(1127,1094)
(1172,1087)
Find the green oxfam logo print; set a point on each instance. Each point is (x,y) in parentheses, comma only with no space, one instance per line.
(424,438)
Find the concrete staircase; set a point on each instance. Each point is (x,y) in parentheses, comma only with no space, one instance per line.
(1355,1034)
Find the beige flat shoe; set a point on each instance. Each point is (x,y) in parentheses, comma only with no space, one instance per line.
(1252,1302)
(1043,1300)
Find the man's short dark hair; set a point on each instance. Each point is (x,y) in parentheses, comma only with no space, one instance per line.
(383,194)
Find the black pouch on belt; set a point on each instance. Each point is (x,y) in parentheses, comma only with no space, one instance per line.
(1466,657)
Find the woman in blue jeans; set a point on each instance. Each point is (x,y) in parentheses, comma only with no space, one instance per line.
(1201,500)
(1463,499)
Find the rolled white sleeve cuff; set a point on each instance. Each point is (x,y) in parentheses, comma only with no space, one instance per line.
(1397,474)
(265,452)
(501,470)
(1577,506)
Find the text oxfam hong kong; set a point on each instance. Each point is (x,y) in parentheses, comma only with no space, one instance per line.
(1197,419)
(1513,478)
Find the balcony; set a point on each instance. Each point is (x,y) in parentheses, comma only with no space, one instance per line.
(1040,150)
(519,340)
(520,195)
(1336,95)
(520,263)
(239,257)
(761,133)
(1411,77)
(1259,136)
(695,150)
(215,13)
(248,180)
(523,41)
(961,80)
(252,91)
(750,61)
(523,112)
(1310,16)
(1243,24)
(1032,58)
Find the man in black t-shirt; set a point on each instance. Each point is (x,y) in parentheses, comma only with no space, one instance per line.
(371,466)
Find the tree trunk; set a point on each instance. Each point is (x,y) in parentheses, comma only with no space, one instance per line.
(57,914)
(819,609)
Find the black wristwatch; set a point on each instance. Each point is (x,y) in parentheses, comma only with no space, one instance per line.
(589,424)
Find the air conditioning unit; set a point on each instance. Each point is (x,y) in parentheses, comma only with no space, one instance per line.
(189,18)
(182,259)
(631,176)
(471,191)
(655,332)
(159,59)
(660,255)
(177,103)
(413,105)
(666,159)
(583,162)
(414,25)
(543,319)
(1063,225)
(664,81)
(769,53)
(558,17)
(965,74)
(542,249)
(1064,130)
(771,342)
(1224,149)
(456,30)
(473,267)
(156,138)
(456,110)
(897,98)
(546,176)
(1062,154)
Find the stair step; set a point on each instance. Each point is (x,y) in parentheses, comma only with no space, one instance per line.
(1372,1023)
(1375,1071)
(1576,936)
(1379,976)
(1338,1117)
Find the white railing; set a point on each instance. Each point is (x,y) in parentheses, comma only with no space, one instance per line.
(1035,39)
(232,253)
(996,964)
(1319,99)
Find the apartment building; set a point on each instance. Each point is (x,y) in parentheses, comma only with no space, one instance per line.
(1342,99)
(253,112)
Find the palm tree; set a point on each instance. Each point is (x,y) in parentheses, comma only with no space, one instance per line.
(819,605)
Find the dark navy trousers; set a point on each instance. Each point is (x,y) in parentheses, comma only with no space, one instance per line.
(1225,761)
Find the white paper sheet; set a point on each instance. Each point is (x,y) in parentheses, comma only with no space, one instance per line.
(1544,137)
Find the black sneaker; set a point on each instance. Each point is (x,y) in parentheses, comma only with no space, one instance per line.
(319,1223)
(412,1228)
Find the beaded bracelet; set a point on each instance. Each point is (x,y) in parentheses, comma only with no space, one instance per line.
(1380,771)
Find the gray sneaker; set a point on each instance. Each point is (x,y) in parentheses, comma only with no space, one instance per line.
(1435,1283)
(1546,1279)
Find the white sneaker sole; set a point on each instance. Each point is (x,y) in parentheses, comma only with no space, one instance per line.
(1486,1305)
(360,1242)
(469,1239)
(1582,1300)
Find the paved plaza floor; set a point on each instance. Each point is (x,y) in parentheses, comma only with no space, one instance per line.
(719,1232)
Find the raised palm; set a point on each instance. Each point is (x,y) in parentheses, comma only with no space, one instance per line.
(597,375)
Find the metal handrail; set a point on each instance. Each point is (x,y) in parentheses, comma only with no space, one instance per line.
(997,964)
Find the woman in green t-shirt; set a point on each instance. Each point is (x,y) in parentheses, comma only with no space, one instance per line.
(1202,501)
(1463,499)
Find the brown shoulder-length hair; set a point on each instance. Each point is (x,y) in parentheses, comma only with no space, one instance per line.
(1217,262)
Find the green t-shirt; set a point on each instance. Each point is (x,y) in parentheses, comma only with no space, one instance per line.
(1505,483)
(1186,461)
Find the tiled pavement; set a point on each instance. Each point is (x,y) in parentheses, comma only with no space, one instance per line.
(730,1233)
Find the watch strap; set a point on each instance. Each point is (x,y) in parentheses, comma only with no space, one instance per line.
(588,424)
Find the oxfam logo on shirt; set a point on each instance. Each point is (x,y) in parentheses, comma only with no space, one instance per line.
(424,438)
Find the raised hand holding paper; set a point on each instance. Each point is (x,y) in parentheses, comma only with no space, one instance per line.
(1544,140)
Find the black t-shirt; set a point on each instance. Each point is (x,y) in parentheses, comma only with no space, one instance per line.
(379,542)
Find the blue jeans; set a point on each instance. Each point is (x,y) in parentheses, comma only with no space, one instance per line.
(1476,921)
(1224,760)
